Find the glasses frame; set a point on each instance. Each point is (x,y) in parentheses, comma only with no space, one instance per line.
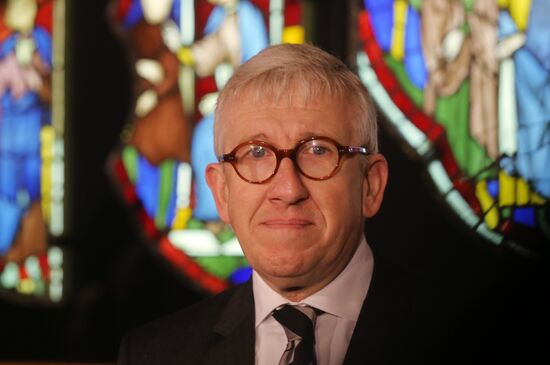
(291,153)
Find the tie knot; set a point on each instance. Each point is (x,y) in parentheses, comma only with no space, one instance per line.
(299,325)
(298,319)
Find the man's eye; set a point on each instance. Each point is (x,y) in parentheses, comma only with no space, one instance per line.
(318,150)
(258,151)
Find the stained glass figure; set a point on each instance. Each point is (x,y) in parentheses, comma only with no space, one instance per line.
(31,148)
(466,84)
(184,51)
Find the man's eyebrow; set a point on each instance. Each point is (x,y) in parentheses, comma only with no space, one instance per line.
(258,136)
(263,137)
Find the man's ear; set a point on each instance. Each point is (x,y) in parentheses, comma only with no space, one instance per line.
(374,184)
(216,181)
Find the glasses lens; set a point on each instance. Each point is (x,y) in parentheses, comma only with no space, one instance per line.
(317,158)
(255,162)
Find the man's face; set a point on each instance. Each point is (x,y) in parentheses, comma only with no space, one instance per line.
(297,233)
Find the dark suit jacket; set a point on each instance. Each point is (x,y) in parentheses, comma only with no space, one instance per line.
(400,323)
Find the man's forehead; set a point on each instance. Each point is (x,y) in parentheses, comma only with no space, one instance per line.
(283,123)
(280,111)
(298,97)
(253,97)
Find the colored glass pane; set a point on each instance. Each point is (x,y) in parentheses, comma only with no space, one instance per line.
(31,148)
(180,71)
(472,77)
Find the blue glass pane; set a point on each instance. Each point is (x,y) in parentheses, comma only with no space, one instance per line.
(241,275)
(492,188)
(134,15)
(538,32)
(533,96)
(202,153)
(381,15)
(525,215)
(171,213)
(414,57)
(506,25)
(147,185)
(175,13)
(10,215)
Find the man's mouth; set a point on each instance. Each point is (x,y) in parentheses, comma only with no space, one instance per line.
(287,223)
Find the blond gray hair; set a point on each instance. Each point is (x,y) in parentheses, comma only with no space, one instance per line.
(281,72)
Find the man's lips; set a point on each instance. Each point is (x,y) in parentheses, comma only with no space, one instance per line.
(287,223)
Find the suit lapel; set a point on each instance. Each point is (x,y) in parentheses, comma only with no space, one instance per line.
(234,331)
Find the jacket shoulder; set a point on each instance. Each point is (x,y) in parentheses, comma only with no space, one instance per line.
(180,337)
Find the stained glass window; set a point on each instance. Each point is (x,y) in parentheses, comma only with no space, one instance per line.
(183,53)
(31,148)
(466,84)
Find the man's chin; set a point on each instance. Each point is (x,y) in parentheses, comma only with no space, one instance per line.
(296,240)
(288,275)
(289,235)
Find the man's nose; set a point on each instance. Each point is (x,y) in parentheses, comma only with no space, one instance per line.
(287,187)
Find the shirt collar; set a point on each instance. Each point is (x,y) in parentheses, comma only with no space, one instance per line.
(342,297)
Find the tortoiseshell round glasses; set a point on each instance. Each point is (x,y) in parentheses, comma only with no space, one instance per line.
(317,158)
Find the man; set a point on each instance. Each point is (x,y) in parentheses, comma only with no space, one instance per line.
(298,173)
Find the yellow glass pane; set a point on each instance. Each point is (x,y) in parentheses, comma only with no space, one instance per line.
(26,286)
(182,217)
(487,204)
(295,34)
(522,192)
(398,35)
(46,151)
(507,191)
(519,10)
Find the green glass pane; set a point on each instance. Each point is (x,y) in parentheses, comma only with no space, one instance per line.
(398,69)
(221,266)
(166,185)
(130,161)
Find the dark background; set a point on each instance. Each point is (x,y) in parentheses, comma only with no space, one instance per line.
(116,282)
